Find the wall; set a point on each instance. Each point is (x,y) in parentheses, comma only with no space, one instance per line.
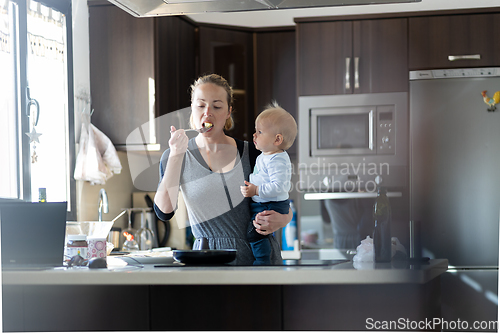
(119,189)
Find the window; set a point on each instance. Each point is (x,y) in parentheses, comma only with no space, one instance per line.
(36,131)
(9,166)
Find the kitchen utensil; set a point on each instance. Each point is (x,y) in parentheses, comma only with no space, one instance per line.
(204,244)
(118,216)
(144,235)
(199,130)
(114,237)
(205,257)
(163,240)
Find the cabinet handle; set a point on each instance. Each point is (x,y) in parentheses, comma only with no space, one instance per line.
(347,76)
(465,57)
(356,73)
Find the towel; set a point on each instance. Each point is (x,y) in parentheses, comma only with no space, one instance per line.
(97,159)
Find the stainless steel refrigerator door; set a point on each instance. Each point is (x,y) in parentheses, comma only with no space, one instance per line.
(455,169)
(470,296)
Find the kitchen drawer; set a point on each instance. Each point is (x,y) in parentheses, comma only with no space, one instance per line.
(216,308)
(68,308)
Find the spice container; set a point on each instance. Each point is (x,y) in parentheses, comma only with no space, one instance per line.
(77,245)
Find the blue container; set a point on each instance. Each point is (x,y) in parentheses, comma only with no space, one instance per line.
(289,232)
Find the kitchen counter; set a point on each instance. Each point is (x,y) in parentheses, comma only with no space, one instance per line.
(342,273)
(229,298)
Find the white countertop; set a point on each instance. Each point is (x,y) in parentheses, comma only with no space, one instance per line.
(343,273)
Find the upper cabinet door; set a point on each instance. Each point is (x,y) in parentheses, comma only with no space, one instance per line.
(454,41)
(230,53)
(275,72)
(380,56)
(324,58)
(122,71)
(344,57)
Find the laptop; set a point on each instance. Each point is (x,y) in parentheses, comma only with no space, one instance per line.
(32,234)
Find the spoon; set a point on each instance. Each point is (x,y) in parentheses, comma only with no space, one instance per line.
(200,130)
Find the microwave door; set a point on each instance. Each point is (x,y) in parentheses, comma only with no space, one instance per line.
(342,131)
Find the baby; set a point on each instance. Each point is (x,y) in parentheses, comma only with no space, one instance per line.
(275,132)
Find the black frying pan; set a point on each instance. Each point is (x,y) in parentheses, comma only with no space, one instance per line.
(205,257)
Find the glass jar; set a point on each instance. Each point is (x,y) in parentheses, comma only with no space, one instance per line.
(77,245)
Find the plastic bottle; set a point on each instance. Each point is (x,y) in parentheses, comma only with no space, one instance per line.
(289,232)
(42,194)
(382,224)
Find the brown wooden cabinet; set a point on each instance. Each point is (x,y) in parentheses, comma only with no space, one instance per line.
(121,66)
(229,53)
(433,39)
(133,59)
(275,72)
(344,57)
(175,63)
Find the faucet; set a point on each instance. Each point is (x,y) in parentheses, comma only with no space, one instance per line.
(102,203)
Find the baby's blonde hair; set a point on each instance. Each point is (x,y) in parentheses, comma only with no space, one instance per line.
(281,121)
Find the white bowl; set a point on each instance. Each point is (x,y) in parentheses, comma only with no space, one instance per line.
(89,228)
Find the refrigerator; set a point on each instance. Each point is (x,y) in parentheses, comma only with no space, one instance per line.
(455,185)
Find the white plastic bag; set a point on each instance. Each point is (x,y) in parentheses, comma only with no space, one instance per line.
(97,159)
(364,251)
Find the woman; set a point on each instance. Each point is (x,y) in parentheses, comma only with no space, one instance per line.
(209,170)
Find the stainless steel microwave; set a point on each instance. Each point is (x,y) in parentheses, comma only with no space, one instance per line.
(348,140)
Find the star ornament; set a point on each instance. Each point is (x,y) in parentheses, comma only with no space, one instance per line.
(33,135)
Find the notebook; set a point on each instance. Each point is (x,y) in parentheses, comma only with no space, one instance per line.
(32,234)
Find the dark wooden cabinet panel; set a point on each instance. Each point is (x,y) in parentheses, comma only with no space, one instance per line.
(275,72)
(67,308)
(216,308)
(323,49)
(13,308)
(357,307)
(230,53)
(382,48)
(132,59)
(121,66)
(175,63)
(433,38)
(343,57)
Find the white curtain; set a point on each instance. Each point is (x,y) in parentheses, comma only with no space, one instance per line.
(8,143)
(47,80)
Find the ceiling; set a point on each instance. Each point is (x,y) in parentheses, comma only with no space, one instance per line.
(285,17)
